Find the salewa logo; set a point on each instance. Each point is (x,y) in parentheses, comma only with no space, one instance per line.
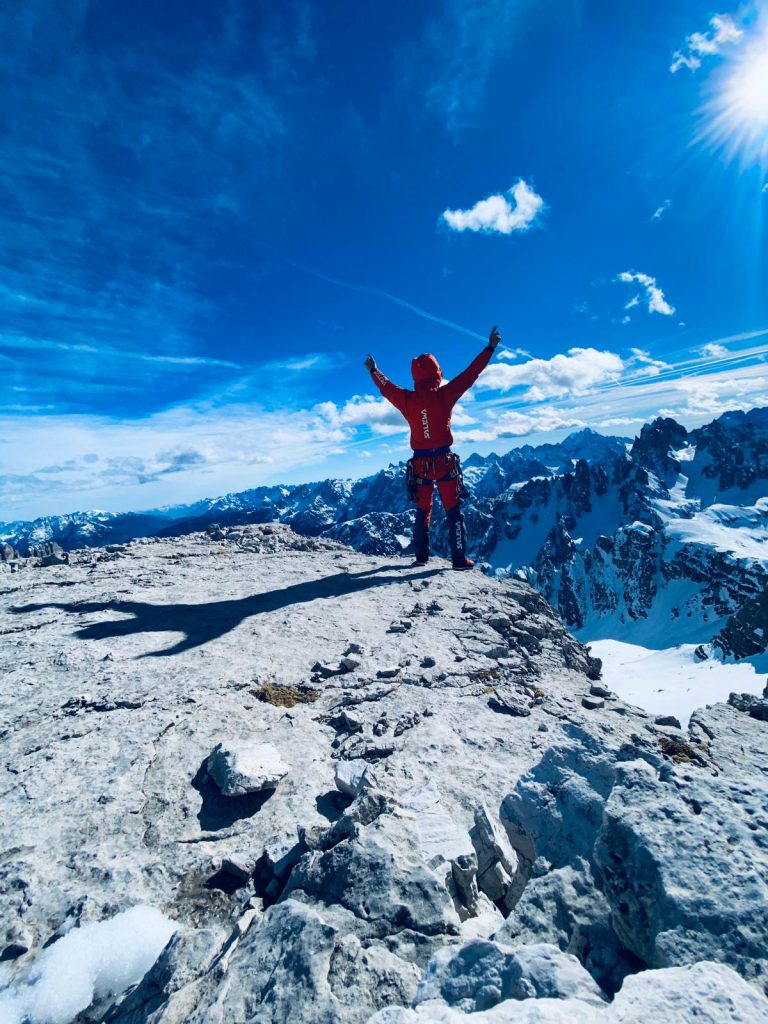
(380,376)
(425,423)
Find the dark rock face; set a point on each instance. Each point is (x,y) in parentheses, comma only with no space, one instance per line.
(733,450)
(652,449)
(746,631)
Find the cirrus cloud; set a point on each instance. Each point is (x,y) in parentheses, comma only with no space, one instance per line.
(724,30)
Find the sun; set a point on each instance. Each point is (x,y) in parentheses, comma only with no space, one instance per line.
(737,115)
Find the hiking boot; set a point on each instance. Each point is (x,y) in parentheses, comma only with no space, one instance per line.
(466,564)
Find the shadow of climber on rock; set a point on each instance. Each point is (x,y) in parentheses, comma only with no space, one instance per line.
(201,623)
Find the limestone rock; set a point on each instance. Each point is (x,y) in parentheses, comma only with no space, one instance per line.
(50,553)
(755,707)
(667,720)
(477,825)
(704,993)
(592,703)
(239,767)
(351,776)
(497,862)
(481,974)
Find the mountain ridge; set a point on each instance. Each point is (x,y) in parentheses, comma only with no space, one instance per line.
(627,539)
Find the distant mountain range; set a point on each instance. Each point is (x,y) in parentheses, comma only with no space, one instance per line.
(659,540)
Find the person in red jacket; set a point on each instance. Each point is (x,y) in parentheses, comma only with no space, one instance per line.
(428,411)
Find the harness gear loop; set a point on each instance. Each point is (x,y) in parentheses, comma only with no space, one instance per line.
(453,464)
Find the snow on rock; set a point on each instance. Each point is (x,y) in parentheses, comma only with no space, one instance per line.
(241,766)
(88,963)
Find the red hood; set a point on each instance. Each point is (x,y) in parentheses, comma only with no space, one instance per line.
(426,372)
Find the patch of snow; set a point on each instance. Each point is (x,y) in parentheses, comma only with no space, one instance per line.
(677,611)
(671,681)
(679,503)
(95,960)
(741,531)
(685,454)
(533,526)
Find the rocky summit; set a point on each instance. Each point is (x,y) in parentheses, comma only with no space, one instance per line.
(629,540)
(356,790)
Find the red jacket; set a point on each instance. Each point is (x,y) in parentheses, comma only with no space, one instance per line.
(428,408)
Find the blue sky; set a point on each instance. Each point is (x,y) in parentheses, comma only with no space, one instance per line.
(211,213)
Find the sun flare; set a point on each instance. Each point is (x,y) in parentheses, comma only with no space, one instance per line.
(737,116)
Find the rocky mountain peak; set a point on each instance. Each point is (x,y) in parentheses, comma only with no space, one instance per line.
(655,444)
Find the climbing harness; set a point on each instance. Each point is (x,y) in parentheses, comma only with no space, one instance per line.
(454,471)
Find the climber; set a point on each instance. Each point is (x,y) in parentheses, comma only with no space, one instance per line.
(428,411)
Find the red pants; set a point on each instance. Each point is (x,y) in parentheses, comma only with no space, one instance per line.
(431,470)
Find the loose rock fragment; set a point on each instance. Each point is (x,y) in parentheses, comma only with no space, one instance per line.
(239,767)
(389,672)
(592,703)
(668,720)
(353,776)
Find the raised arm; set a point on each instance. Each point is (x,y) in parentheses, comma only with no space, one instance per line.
(392,393)
(463,381)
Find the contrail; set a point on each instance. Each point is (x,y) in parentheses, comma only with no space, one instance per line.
(369,290)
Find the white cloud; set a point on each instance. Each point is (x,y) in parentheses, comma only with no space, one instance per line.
(620,421)
(724,30)
(661,210)
(572,374)
(654,295)
(712,350)
(513,353)
(461,417)
(496,214)
(647,365)
(520,424)
(106,352)
(169,457)
(364,410)
(716,394)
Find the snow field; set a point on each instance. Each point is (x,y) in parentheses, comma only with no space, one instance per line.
(671,681)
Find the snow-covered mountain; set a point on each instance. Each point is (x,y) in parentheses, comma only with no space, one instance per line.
(660,540)
(666,544)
